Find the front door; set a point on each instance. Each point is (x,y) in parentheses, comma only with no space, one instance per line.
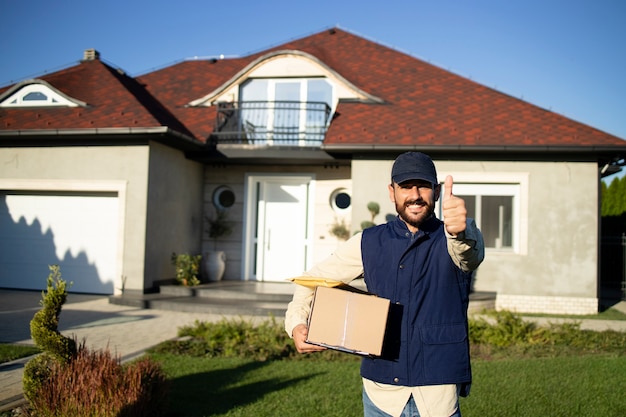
(279,233)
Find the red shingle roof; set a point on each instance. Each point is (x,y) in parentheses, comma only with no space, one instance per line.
(424,105)
(113,99)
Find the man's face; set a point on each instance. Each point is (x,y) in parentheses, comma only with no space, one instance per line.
(415,201)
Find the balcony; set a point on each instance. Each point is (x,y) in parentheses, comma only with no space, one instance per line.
(271,123)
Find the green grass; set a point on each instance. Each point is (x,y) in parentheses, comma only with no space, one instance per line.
(9,352)
(232,368)
(242,387)
(519,370)
(563,386)
(220,387)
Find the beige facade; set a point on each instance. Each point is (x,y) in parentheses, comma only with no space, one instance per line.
(555,255)
(326,179)
(140,176)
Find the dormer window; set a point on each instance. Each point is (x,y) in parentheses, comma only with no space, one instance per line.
(283,98)
(286,111)
(36,94)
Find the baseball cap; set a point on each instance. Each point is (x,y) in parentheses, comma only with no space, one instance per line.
(413,166)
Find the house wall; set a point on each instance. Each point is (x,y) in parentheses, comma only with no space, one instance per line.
(174,216)
(123,170)
(327,179)
(555,268)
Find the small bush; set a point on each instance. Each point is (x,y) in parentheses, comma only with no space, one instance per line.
(95,383)
(231,338)
(187,268)
(501,329)
(504,332)
(239,338)
(45,334)
(68,380)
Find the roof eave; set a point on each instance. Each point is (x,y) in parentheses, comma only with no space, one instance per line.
(601,154)
(163,134)
(473,148)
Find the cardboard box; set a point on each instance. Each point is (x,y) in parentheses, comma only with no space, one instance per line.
(344,318)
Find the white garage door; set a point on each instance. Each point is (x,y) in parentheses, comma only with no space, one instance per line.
(77,231)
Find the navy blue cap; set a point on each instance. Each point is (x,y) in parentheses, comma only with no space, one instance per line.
(414,166)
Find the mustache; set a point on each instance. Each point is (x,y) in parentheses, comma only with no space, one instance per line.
(417,201)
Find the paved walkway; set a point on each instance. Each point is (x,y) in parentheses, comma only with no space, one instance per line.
(126,331)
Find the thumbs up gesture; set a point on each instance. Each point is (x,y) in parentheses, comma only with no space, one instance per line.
(454,211)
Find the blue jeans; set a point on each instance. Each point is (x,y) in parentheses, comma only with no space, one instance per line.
(410,409)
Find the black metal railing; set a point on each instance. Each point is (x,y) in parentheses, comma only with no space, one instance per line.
(279,123)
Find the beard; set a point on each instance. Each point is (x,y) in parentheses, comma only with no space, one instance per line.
(405,211)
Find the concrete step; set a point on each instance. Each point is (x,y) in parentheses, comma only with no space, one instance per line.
(224,297)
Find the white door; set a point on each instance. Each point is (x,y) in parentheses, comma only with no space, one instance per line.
(77,231)
(279,235)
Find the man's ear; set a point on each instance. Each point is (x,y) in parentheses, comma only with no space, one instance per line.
(437,190)
(392,194)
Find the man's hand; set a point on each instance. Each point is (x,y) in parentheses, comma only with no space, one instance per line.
(454,212)
(299,334)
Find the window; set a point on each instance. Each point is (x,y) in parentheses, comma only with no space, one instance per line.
(287,111)
(496,209)
(223,197)
(36,94)
(340,200)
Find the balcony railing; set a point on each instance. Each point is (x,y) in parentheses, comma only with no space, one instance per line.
(272,123)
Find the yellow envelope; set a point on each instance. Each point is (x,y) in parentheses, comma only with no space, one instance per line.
(313,282)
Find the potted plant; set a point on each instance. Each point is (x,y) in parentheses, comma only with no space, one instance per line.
(215,260)
(187,268)
(374,209)
(340,229)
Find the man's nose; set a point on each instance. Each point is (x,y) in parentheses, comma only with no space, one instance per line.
(414,192)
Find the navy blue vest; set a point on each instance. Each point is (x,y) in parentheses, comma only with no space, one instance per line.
(428,341)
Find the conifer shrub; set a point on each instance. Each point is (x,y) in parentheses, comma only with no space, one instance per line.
(68,379)
(55,347)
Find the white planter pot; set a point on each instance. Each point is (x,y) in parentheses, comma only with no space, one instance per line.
(214,265)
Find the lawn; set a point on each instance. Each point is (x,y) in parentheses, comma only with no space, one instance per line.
(562,386)
(237,368)
(10,352)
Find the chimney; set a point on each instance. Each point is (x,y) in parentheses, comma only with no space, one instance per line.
(91,55)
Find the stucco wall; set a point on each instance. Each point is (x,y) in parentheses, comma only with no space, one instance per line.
(327,179)
(559,253)
(98,166)
(174,217)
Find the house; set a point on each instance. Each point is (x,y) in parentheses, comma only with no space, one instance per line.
(108,175)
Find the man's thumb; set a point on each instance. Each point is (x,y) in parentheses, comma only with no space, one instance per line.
(448,187)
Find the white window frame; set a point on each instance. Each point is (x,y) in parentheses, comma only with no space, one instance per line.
(53,99)
(270,95)
(497,184)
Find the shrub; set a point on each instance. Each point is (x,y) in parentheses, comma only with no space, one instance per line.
(241,338)
(187,268)
(231,338)
(501,329)
(508,333)
(95,383)
(68,380)
(45,334)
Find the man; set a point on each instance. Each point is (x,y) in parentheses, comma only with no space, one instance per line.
(424,266)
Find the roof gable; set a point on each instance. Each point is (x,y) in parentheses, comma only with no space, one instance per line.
(284,64)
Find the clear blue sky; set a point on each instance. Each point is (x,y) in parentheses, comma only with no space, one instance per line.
(565,55)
